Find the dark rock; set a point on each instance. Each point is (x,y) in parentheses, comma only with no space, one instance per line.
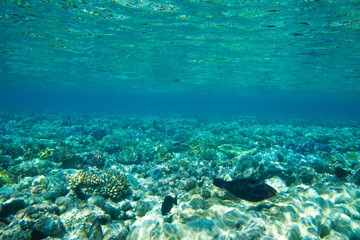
(112,211)
(97,201)
(49,226)
(12,206)
(356,178)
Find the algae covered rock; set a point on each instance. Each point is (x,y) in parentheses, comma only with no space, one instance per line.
(5,177)
(35,189)
(80,218)
(247,165)
(63,203)
(33,167)
(97,201)
(41,219)
(15,232)
(357,178)
(142,207)
(108,184)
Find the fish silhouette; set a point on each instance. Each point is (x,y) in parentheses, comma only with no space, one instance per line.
(341,173)
(168,204)
(246,188)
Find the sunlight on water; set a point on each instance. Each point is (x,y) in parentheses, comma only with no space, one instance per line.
(259,47)
(179,119)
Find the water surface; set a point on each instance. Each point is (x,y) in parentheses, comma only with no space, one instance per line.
(257,49)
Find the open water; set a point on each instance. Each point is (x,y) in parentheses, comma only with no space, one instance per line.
(196,55)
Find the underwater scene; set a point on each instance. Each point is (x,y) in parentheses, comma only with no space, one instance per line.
(180,119)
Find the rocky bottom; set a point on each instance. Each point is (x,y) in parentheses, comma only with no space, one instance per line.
(86,186)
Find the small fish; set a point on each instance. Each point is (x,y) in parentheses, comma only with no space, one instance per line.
(168,204)
(246,188)
(95,232)
(341,173)
(179,147)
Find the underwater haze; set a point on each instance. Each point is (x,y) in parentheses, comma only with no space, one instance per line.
(242,56)
(180,119)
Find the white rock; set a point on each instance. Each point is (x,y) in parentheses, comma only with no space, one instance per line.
(293,232)
(277,183)
(343,197)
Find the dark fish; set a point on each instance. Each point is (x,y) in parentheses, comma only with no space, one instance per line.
(168,204)
(248,189)
(341,173)
(178,147)
(95,232)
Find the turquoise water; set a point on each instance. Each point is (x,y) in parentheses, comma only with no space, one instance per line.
(230,50)
(179,119)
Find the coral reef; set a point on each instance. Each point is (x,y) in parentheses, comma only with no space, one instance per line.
(60,175)
(99,132)
(10,148)
(108,184)
(68,159)
(5,177)
(41,219)
(95,158)
(34,189)
(32,168)
(129,156)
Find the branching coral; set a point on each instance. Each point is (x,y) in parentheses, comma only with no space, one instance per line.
(107,184)
(95,158)
(129,156)
(99,132)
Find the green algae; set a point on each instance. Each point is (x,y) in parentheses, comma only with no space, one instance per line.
(6,177)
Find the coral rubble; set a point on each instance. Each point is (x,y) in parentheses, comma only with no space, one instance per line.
(60,175)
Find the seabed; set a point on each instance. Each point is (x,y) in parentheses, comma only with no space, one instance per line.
(83,176)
